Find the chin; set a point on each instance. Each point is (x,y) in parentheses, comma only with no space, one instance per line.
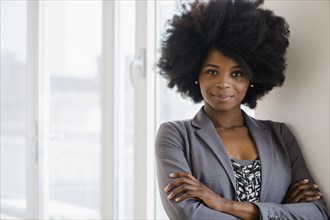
(225,108)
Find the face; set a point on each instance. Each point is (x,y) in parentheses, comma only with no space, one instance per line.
(223,82)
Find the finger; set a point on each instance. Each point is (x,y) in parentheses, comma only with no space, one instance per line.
(305,194)
(300,188)
(298,193)
(181,189)
(295,185)
(312,198)
(179,182)
(189,194)
(182,174)
(304,181)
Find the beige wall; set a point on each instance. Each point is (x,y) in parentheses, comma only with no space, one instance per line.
(303,102)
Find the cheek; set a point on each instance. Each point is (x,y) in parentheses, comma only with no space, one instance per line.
(203,90)
(206,85)
(242,89)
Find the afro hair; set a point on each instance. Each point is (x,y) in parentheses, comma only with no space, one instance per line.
(254,37)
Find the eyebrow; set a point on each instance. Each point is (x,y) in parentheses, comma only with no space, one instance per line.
(213,65)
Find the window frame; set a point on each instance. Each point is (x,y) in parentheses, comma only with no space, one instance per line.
(36,185)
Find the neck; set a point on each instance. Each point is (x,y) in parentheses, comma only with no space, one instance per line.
(226,120)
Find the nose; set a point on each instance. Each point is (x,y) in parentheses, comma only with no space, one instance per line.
(222,81)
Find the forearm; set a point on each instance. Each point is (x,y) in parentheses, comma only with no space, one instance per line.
(301,211)
(242,210)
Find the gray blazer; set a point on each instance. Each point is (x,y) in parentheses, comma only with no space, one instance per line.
(194,146)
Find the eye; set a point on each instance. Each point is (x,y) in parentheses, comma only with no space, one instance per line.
(237,74)
(212,72)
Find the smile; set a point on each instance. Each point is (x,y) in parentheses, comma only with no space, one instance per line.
(222,97)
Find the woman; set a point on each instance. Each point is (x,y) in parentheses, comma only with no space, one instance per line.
(224,164)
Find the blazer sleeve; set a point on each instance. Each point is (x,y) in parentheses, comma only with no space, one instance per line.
(170,151)
(299,171)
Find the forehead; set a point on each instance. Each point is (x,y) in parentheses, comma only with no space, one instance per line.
(215,56)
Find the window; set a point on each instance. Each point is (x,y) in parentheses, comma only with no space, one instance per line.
(14,104)
(124,124)
(70,100)
(80,107)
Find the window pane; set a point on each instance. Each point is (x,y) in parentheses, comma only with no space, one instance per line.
(72,50)
(124,53)
(13,104)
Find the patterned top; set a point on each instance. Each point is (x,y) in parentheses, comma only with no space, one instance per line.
(248,179)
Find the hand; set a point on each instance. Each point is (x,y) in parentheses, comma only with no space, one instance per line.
(187,186)
(302,191)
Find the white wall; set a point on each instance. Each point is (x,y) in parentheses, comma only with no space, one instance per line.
(303,102)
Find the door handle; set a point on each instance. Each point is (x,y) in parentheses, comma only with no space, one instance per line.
(140,64)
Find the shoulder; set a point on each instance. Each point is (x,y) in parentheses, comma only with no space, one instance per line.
(274,126)
(279,129)
(182,130)
(172,127)
(262,124)
(172,135)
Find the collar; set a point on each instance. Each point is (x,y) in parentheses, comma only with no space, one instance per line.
(201,119)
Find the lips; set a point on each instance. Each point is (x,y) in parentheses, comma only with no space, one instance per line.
(223,97)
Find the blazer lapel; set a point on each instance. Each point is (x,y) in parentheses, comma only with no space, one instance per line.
(209,135)
(261,136)
(263,140)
